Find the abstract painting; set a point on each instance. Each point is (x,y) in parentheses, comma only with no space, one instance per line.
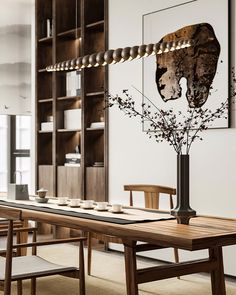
(197,75)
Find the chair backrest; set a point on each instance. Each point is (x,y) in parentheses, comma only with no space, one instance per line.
(151,194)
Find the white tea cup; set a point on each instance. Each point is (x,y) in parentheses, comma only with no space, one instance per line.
(102,205)
(75,202)
(116,207)
(88,203)
(62,200)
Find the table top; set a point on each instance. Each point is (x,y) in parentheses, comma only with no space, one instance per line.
(203,231)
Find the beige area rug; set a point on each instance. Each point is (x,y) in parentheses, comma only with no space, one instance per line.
(108,277)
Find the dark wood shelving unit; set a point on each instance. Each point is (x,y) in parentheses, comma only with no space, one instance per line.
(79,27)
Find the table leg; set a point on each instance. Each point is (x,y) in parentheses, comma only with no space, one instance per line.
(217,275)
(24,239)
(130,268)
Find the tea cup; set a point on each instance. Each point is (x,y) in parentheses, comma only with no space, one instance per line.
(75,202)
(88,203)
(62,200)
(102,205)
(116,207)
(42,192)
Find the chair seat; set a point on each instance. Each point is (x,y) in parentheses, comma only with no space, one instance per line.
(32,266)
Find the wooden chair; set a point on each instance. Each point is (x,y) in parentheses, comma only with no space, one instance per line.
(151,196)
(18,268)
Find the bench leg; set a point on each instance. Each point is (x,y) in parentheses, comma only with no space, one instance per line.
(217,275)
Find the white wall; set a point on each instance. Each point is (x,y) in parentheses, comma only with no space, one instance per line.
(134,158)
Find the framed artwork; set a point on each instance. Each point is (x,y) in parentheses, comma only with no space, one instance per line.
(206,70)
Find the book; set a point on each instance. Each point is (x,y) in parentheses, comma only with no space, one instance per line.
(73,156)
(72,160)
(72,164)
(97,125)
(47,126)
(73,83)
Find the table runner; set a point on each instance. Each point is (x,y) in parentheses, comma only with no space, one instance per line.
(130,215)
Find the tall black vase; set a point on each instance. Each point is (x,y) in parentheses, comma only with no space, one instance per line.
(183,212)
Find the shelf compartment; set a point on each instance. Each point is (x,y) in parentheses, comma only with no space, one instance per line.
(94,11)
(68,15)
(94,81)
(45,8)
(67,49)
(44,148)
(44,85)
(45,175)
(69,182)
(94,40)
(94,147)
(66,143)
(44,56)
(95,183)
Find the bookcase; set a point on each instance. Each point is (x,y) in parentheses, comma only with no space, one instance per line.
(67,29)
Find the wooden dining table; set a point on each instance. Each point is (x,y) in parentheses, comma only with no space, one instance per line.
(203,232)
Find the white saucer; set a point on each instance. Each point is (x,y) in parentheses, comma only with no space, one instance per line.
(116,212)
(62,204)
(86,208)
(74,206)
(100,209)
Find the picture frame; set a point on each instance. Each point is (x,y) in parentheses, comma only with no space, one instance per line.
(157,24)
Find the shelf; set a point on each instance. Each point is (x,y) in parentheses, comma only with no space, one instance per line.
(45,40)
(45,132)
(45,100)
(71,34)
(69,98)
(98,93)
(42,70)
(95,25)
(95,129)
(68,130)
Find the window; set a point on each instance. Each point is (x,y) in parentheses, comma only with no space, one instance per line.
(15,140)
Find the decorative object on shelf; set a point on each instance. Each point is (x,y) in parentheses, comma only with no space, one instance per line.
(73,83)
(72,119)
(72,160)
(97,125)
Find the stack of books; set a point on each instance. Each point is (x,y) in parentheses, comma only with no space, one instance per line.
(97,125)
(73,160)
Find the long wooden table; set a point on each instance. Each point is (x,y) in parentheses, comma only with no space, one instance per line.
(202,233)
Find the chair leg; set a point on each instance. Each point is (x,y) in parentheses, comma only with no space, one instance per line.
(33,286)
(89,248)
(176,253)
(19,287)
(81,268)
